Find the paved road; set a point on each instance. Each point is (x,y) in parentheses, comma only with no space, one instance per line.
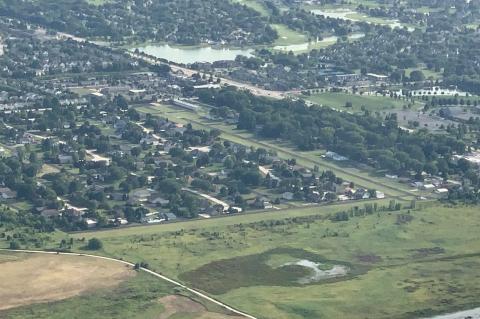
(176,283)
(241,85)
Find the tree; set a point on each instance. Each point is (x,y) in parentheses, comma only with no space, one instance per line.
(94,244)
(121,102)
(136,151)
(161,69)
(417,76)
(14,245)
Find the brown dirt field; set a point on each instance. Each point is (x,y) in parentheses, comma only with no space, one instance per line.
(175,305)
(44,278)
(9,257)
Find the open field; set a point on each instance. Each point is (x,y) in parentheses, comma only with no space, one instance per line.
(255,5)
(132,295)
(182,307)
(49,278)
(428,73)
(413,263)
(6,257)
(48,169)
(287,36)
(98,2)
(360,177)
(371,103)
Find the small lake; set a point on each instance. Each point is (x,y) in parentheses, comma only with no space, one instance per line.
(188,55)
(347,14)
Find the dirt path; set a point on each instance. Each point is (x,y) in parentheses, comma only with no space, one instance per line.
(176,283)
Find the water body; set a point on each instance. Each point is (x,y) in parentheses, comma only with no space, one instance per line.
(318,273)
(346,14)
(312,45)
(188,55)
(470,314)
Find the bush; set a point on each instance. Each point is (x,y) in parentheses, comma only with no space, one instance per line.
(14,245)
(94,244)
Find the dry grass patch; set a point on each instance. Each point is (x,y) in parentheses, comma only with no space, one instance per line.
(46,278)
(176,305)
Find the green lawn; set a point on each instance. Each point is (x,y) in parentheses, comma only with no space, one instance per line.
(412,263)
(98,2)
(287,36)
(255,5)
(369,102)
(428,73)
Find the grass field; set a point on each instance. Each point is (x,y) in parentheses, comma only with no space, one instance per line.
(255,5)
(58,286)
(369,102)
(428,73)
(413,263)
(98,2)
(287,36)
(48,169)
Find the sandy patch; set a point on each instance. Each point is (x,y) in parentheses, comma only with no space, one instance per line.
(175,304)
(54,277)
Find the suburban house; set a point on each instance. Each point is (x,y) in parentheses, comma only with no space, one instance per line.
(336,157)
(7,193)
(169,216)
(50,213)
(91,223)
(262,203)
(65,159)
(159,201)
(287,195)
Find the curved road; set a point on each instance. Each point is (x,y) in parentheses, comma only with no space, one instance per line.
(176,283)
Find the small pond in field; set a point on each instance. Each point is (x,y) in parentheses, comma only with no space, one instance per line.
(319,271)
(352,15)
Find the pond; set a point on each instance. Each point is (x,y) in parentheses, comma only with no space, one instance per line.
(188,55)
(347,14)
(319,271)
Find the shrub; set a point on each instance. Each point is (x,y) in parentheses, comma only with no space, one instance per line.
(94,244)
